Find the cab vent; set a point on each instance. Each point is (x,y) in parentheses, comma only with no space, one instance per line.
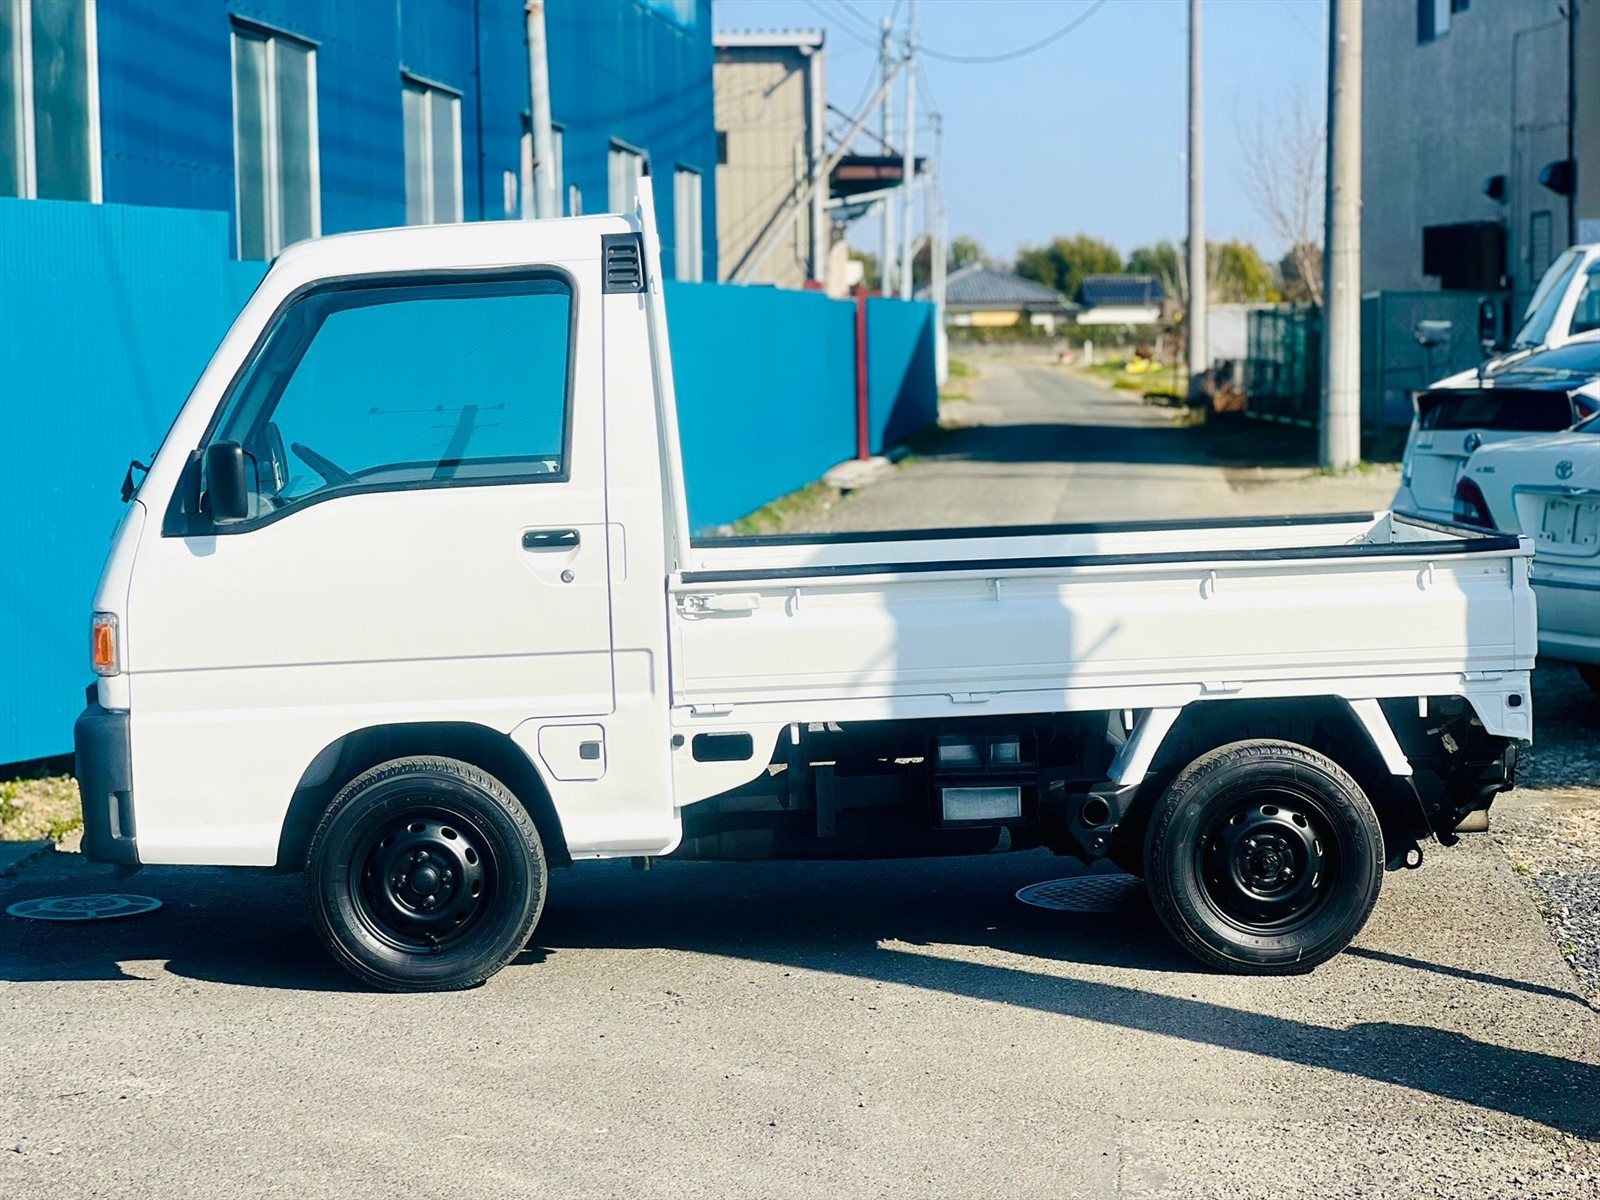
(624,262)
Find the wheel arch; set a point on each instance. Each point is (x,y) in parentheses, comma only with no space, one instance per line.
(1355,735)
(349,755)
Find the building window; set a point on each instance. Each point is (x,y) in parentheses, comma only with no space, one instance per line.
(279,189)
(626,166)
(49,100)
(433,153)
(1433,18)
(558,152)
(686,210)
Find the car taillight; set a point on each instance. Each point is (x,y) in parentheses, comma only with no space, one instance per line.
(1470,506)
(104,649)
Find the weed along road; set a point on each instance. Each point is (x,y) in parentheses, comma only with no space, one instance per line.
(898,1028)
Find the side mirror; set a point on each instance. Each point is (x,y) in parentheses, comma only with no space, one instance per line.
(227,495)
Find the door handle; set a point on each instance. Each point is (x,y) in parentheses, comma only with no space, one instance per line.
(550,539)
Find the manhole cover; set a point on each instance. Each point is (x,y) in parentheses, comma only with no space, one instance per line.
(83,908)
(1086,894)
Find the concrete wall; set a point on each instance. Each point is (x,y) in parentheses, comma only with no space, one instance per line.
(763,102)
(1486,98)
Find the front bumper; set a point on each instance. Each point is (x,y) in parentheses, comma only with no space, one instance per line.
(104,766)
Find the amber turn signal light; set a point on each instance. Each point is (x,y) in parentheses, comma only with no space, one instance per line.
(103,644)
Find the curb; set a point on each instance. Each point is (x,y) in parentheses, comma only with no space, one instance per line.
(16,854)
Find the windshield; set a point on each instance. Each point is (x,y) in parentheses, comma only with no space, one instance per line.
(1546,299)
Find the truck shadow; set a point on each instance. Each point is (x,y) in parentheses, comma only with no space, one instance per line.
(913,924)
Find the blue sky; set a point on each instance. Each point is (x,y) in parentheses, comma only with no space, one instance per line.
(1089,134)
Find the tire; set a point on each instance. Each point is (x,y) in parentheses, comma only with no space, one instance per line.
(425,875)
(1263,858)
(1590,673)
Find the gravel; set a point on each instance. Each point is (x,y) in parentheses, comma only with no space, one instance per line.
(1550,826)
(1571,904)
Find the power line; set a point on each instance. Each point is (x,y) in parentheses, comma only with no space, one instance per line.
(1020,51)
(842,27)
(858,14)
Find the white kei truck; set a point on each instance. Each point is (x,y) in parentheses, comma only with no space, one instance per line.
(409,600)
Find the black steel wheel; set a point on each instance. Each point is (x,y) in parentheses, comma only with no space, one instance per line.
(1264,857)
(425,874)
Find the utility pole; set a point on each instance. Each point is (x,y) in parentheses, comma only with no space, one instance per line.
(816,153)
(940,250)
(1341,363)
(908,172)
(886,272)
(1195,317)
(545,201)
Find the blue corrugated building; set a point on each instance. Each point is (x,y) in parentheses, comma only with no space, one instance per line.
(300,117)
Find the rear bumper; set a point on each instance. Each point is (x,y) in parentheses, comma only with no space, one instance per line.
(104,766)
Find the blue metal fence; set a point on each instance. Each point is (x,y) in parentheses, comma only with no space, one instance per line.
(108,313)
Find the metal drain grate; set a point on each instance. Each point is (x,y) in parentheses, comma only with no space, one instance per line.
(1087,894)
(83,908)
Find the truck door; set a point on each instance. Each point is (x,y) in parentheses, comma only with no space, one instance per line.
(424,541)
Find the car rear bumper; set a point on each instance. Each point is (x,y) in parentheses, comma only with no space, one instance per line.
(104,766)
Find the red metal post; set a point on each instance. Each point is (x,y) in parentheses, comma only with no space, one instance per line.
(863,448)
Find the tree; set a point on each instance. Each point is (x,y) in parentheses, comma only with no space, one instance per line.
(1236,274)
(1283,170)
(1166,262)
(965,251)
(869,267)
(1235,271)
(1291,282)
(1065,261)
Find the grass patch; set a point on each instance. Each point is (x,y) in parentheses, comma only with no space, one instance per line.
(959,384)
(786,511)
(43,807)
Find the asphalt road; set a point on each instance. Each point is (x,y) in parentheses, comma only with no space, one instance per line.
(896,1029)
(1042,446)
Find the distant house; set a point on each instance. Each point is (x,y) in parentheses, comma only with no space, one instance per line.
(979,297)
(1120,300)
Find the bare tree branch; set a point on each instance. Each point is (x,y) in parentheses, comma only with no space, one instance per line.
(1283,160)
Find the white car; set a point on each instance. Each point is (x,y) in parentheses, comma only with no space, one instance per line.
(1545,392)
(1548,488)
(1565,308)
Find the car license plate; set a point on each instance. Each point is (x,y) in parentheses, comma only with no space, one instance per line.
(1571,523)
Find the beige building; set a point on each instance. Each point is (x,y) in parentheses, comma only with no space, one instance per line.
(1480,140)
(770,115)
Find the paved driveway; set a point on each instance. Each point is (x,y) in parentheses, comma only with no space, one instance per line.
(801,1030)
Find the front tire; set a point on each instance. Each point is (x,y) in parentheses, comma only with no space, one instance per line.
(1590,673)
(425,874)
(1263,858)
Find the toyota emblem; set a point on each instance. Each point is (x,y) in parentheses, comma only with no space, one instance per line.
(1564,469)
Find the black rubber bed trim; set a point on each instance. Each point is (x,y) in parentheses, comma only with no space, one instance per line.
(1480,543)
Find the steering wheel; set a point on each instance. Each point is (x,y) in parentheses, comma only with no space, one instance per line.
(330,471)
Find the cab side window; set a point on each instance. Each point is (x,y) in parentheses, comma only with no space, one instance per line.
(398,386)
(1586,316)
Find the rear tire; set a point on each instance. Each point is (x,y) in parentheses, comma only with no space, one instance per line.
(425,874)
(1590,673)
(1263,858)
